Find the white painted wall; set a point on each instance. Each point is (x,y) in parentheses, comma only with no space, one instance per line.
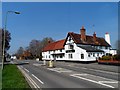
(78,52)
(48,55)
(76,56)
(113,52)
(107,38)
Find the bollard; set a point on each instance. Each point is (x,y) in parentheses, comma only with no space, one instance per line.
(50,64)
(44,62)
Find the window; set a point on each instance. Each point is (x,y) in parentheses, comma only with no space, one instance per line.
(88,54)
(100,47)
(106,47)
(71,46)
(69,39)
(61,56)
(93,54)
(82,56)
(60,50)
(98,54)
(70,55)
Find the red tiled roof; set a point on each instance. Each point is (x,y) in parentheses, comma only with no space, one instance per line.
(54,45)
(89,40)
(77,39)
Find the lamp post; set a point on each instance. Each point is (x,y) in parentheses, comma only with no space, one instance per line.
(4,35)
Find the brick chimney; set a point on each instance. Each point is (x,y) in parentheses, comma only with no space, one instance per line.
(94,37)
(83,33)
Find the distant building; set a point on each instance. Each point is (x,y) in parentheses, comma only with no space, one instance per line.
(78,47)
(13,57)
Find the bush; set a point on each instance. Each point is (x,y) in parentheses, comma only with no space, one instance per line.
(106,57)
(116,57)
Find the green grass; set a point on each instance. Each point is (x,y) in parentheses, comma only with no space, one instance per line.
(13,78)
(0,78)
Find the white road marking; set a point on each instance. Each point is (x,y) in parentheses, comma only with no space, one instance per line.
(37,79)
(100,77)
(92,81)
(21,66)
(82,74)
(104,71)
(26,70)
(108,81)
(59,70)
(65,71)
(109,72)
(29,78)
(36,64)
(53,70)
(84,68)
(32,81)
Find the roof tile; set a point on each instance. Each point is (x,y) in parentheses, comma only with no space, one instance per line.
(55,45)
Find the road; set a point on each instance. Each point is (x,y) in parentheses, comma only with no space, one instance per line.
(69,75)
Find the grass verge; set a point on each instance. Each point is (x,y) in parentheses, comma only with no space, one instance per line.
(13,78)
(0,78)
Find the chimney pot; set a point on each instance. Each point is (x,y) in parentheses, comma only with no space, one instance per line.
(83,27)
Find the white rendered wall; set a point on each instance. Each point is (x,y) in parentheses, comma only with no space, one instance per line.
(107,38)
(48,55)
(113,52)
(77,53)
(76,56)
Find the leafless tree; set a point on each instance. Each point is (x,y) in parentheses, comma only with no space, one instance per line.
(7,40)
(46,41)
(20,52)
(35,46)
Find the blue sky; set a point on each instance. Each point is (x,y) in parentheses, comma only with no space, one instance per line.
(38,20)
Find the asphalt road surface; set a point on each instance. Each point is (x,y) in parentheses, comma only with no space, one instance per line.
(69,75)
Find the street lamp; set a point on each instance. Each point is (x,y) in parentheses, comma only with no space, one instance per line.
(3,53)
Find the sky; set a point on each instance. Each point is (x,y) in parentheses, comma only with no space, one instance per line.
(55,19)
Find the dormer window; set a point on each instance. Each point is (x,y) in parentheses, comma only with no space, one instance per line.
(70,39)
(106,47)
(71,47)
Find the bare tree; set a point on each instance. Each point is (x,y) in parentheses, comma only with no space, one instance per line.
(46,41)
(20,52)
(34,48)
(7,41)
(7,38)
